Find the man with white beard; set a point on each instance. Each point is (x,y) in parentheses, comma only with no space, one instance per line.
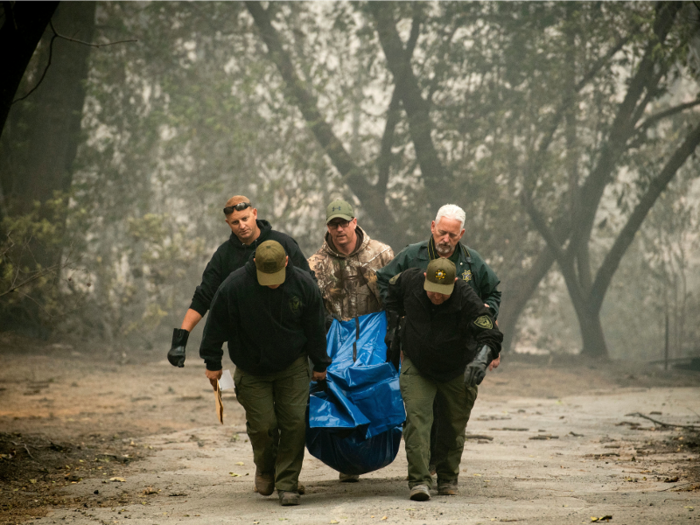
(447,231)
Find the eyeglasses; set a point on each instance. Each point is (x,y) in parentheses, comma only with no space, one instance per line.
(228,210)
(335,224)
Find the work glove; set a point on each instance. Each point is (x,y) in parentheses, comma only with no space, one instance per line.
(176,354)
(476,370)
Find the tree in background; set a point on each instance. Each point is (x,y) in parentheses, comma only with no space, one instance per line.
(22,26)
(399,107)
(37,152)
(626,147)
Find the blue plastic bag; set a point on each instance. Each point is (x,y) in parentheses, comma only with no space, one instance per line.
(355,416)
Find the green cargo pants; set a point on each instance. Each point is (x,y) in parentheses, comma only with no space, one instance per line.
(418,395)
(275,411)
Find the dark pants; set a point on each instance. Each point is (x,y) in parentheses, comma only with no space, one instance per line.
(418,395)
(275,411)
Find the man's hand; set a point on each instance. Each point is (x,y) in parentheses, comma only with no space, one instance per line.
(476,370)
(318,376)
(176,354)
(213,376)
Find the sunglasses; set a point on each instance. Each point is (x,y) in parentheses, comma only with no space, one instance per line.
(228,210)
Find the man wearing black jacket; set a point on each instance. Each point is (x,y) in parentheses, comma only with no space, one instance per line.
(271,313)
(449,340)
(247,233)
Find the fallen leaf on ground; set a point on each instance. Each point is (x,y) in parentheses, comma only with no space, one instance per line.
(602,518)
(121,480)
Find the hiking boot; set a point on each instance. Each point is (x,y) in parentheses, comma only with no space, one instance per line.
(264,483)
(420,493)
(288,498)
(448,488)
(349,478)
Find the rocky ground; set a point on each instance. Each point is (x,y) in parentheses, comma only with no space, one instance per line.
(89,436)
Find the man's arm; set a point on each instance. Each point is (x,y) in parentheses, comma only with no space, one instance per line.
(314,325)
(192,318)
(477,318)
(479,321)
(217,331)
(204,293)
(397,265)
(488,283)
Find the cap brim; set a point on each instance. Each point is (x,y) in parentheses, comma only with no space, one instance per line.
(267,279)
(343,216)
(445,289)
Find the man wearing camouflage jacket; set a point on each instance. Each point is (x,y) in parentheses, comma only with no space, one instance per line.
(345,267)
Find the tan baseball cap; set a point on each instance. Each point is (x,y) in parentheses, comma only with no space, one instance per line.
(440,276)
(270,263)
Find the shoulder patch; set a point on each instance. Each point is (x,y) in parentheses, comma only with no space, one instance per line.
(395,278)
(484,321)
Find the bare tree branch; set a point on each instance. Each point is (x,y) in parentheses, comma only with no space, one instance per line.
(392,118)
(626,236)
(436,178)
(307,103)
(653,119)
(48,64)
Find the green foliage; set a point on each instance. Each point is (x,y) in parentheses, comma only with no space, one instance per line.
(28,288)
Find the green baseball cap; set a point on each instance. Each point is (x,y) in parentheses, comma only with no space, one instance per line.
(339,209)
(440,276)
(270,262)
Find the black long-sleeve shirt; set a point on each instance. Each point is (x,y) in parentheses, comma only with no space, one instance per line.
(266,329)
(232,255)
(441,340)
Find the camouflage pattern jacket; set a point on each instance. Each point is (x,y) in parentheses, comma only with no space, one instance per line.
(348,283)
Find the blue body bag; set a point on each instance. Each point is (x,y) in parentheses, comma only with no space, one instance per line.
(355,416)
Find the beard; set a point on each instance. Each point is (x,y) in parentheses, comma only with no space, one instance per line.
(444,248)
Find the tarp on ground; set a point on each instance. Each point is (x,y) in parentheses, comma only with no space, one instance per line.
(355,416)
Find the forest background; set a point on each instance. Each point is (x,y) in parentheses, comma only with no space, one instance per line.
(568,131)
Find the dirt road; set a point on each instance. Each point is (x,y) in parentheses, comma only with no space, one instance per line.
(134,440)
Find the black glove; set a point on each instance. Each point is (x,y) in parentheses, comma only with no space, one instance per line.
(392,322)
(476,370)
(176,354)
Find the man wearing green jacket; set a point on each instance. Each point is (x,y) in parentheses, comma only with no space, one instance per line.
(446,231)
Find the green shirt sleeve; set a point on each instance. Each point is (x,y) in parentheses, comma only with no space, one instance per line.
(487,283)
(397,265)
